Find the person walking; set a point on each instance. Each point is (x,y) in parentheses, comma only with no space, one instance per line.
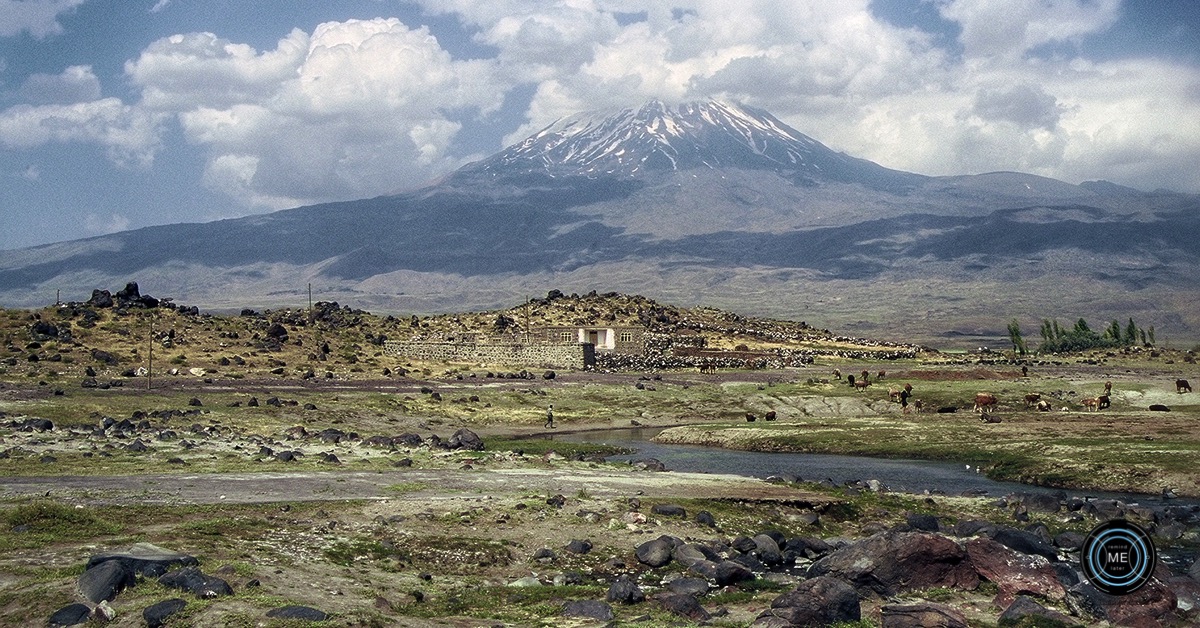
(550,417)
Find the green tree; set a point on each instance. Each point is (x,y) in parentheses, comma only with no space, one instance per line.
(1131,333)
(1150,333)
(1014,335)
(1113,332)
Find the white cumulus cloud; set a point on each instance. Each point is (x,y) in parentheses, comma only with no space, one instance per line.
(132,136)
(39,18)
(356,108)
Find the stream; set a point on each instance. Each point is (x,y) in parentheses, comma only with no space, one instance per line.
(907,476)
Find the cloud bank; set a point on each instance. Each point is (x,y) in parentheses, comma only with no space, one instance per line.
(365,107)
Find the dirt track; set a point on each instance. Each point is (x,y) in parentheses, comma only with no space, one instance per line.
(422,484)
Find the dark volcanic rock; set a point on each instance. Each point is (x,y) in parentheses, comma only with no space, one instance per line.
(683,605)
(1152,604)
(1026,609)
(192,580)
(1024,542)
(669,510)
(466,439)
(690,586)
(819,601)
(925,523)
(157,615)
(892,562)
(104,581)
(303,613)
(655,553)
(1014,573)
(70,615)
(577,546)
(729,572)
(589,609)
(922,615)
(625,591)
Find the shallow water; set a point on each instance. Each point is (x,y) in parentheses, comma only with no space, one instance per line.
(908,476)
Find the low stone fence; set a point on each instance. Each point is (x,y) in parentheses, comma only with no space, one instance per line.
(549,355)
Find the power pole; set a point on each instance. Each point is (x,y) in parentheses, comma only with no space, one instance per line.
(310,296)
(150,367)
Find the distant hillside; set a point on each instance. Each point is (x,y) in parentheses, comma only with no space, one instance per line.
(109,338)
(703,204)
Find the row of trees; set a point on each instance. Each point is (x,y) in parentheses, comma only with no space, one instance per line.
(1081,337)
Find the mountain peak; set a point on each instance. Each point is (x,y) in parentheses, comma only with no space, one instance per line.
(657,137)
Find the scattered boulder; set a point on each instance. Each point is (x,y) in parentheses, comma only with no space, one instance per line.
(589,609)
(705,518)
(625,591)
(466,439)
(192,580)
(892,562)
(690,586)
(105,580)
(577,546)
(1152,604)
(729,572)
(655,553)
(818,601)
(156,616)
(683,605)
(922,615)
(1024,542)
(669,510)
(302,613)
(70,615)
(1025,611)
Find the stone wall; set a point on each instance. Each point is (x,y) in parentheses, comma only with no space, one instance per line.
(548,355)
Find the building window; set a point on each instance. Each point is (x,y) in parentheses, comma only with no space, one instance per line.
(626,336)
(564,336)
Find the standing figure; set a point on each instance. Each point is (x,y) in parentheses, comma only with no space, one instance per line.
(550,416)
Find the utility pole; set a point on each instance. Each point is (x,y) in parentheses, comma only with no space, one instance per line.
(150,367)
(310,295)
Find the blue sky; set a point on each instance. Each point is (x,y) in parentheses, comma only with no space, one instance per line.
(118,114)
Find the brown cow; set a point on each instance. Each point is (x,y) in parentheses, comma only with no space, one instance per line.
(1107,388)
(1091,403)
(894,394)
(1182,386)
(1105,401)
(837,374)
(983,401)
(1032,399)
(750,418)
(918,405)
(861,385)
(881,375)
(770,415)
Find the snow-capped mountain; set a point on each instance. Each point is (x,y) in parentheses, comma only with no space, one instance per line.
(657,137)
(705,203)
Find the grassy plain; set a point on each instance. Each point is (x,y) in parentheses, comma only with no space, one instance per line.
(438,537)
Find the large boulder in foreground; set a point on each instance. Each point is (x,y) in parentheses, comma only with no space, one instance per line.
(1013,572)
(818,601)
(104,581)
(1152,605)
(893,562)
(146,560)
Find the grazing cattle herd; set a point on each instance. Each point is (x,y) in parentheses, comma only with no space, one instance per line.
(985,403)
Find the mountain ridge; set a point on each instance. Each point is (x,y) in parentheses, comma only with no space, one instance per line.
(746,212)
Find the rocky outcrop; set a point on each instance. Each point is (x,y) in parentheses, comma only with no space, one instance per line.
(818,601)
(1013,573)
(893,562)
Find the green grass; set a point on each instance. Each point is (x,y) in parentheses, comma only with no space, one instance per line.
(43,523)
